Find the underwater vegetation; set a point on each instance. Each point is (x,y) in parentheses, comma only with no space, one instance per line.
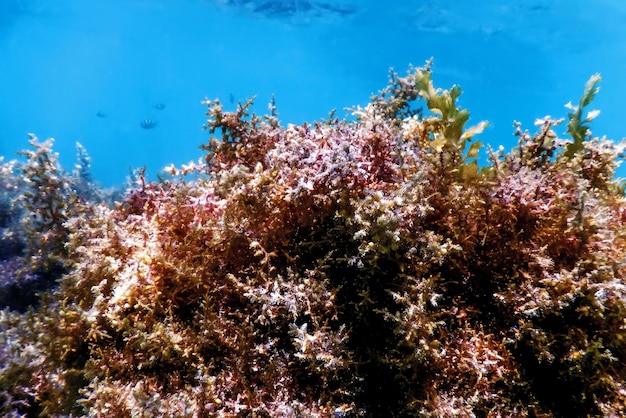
(36,198)
(344,268)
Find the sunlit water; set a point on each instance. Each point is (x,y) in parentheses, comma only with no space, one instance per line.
(95,71)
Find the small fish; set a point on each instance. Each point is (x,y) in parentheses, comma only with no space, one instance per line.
(159,106)
(101,114)
(232,98)
(148,124)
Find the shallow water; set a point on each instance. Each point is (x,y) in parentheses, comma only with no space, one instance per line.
(95,73)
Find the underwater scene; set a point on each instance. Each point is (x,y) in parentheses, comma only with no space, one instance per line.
(303,208)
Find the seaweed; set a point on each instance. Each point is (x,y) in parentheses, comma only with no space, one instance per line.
(343,268)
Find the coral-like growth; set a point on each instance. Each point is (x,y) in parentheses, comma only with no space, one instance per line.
(49,201)
(337,269)
(33,209)
(11,240)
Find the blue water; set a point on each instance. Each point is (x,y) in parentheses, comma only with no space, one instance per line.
(93,71)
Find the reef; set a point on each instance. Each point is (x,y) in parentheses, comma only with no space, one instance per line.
(370,266)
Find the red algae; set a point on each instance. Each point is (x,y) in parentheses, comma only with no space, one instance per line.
(344,268)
